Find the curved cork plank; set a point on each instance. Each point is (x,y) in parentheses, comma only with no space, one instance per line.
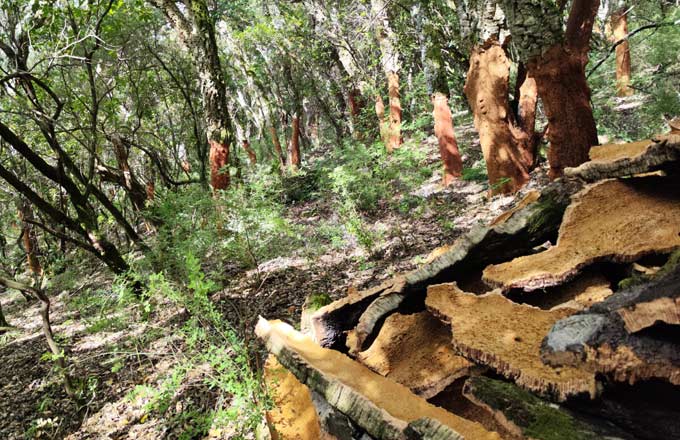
(492,330)
(601,339)
(614,220)
(293,416)
(619,160)
(385,409)
(415,351)
(383,305)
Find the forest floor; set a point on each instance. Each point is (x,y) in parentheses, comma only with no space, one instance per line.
(114,353)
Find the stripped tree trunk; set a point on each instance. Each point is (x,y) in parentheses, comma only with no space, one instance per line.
(389,58)
(448,147)
(486,89)
(252,157)
(619,23)
(557,60)
(29,239)
(277,147)
(527,102)
(294,144)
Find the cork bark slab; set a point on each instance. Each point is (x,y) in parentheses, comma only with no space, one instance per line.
(528,416)
(618,160)
(492,330)
(383,408)
(293,416)
(614,220)
(531,223)
(415,351)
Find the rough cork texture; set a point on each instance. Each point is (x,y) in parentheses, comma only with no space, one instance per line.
(383,408)
(293,416)
(601,339)
(613,220)
(619,160)
(492,330)
(415,351)
(582,292)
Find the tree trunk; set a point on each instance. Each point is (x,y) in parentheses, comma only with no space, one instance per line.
(448,147)
(561,81)
(486,89)
(294,144)
(394,134)
(277,147)
(196,30)
(128,179)
(380,113)
(526,118)
(3,321)
(252,157)
(29,239)
(619,23)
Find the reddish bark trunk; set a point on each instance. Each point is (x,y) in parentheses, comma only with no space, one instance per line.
(394,134)
(563,88)
(29,240)
(526,119)
(356,103)
(219,165)
(252,157)
(294,144)
(620,30)
(448,147)
(380,113)
(486,89)
(277,147)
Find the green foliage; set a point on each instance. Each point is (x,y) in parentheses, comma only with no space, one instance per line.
(477,173)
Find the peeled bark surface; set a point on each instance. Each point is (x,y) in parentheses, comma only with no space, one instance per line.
(394,133)
(493,331)
(219,165)
(448,147)
(415,351)
(294,145)
(383,126)
(619,160)
(486,89)
(383,408)
(293,416)
(623,336)
(562,86)
(600,225)
(619,23)
(526,115)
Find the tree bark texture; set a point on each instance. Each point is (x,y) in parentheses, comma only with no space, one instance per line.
(486,89)
(448,147)
(29,239)
(252,157)
(619,24)
(394,133)
(294,145)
